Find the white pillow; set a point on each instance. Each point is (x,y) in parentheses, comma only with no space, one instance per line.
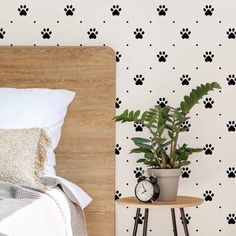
(36,107)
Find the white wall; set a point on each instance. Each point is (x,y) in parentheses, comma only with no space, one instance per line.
(161,80)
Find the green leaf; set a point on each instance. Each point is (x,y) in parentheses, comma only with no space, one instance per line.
(187,100)
(183,107)
(152,111)
(161,129)
(136,114)
(140,150)
(143,145)
(143,117)
(170,134)
(141,160)
(170,127)
(131,115)
(140,140)
(178,115)
(149,155)
(125,113)
(166,144)
(216,85)
(192,150)
(127,116)
(195,95)
(184,163)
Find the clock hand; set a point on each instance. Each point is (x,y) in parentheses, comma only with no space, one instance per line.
(144,188)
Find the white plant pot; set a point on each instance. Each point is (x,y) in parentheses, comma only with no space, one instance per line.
(168,181)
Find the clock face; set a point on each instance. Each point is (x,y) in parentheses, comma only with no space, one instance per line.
(144,190)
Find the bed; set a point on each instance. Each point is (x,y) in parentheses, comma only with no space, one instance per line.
(85,154)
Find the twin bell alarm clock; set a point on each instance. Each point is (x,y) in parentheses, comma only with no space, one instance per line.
(147,189)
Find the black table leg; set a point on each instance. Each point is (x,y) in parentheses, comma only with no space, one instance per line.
(136,222)
(174,222)
(186,233)
(145,222)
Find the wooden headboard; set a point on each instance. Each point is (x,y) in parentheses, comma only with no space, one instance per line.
(86,151)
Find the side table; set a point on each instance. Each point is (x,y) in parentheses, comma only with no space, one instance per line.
(181,202)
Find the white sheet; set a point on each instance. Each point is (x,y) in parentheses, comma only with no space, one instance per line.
(74,192)
(39,217)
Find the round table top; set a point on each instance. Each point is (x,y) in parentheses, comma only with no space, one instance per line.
(181,202)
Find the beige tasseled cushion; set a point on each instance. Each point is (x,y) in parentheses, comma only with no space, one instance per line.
(22,156)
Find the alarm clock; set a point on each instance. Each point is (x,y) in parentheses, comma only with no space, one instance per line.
(147,189)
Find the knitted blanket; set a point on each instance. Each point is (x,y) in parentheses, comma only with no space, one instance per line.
(25,211)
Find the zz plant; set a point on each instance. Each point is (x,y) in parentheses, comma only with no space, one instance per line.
(164,124)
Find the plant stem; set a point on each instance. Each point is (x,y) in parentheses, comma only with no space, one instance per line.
(175,141)
(149,128)
(153,145)
(173,123)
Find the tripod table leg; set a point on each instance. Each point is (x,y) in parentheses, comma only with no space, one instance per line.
(145,222)
(136,222)
(174,222)
(186,233)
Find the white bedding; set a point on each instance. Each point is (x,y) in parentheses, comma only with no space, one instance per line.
(38,217)
(32,212)
(74,192)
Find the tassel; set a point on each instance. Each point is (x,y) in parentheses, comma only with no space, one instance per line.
(44,143)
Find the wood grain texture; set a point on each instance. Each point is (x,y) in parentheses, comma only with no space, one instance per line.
(181,202)
(86,151)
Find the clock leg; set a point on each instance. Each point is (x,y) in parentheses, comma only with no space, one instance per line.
(186,233)
(145,222)
(136,222)
(174,222)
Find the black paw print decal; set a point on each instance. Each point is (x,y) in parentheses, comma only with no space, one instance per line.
(162,56)
(162,102)
(231,126)
(208,102)
(138,126)
(185,172)
(162,9)
(208,195)
(231,33)
(140,218)
(187,218)
(185,79)
(231,172)
(185,33)
(185,125)
(231,80)
(208,149)
(117,149)
(117,195)
(208,56)
(139,79)
(46,33)
(231,218)
(118,102)
(118,56)
(208,9)
(139,33)
(115,10)
(2,33)
(138,172)
(92,33)
(23,9)
(69,9)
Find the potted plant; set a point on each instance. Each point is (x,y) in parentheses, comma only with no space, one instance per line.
(161,152)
